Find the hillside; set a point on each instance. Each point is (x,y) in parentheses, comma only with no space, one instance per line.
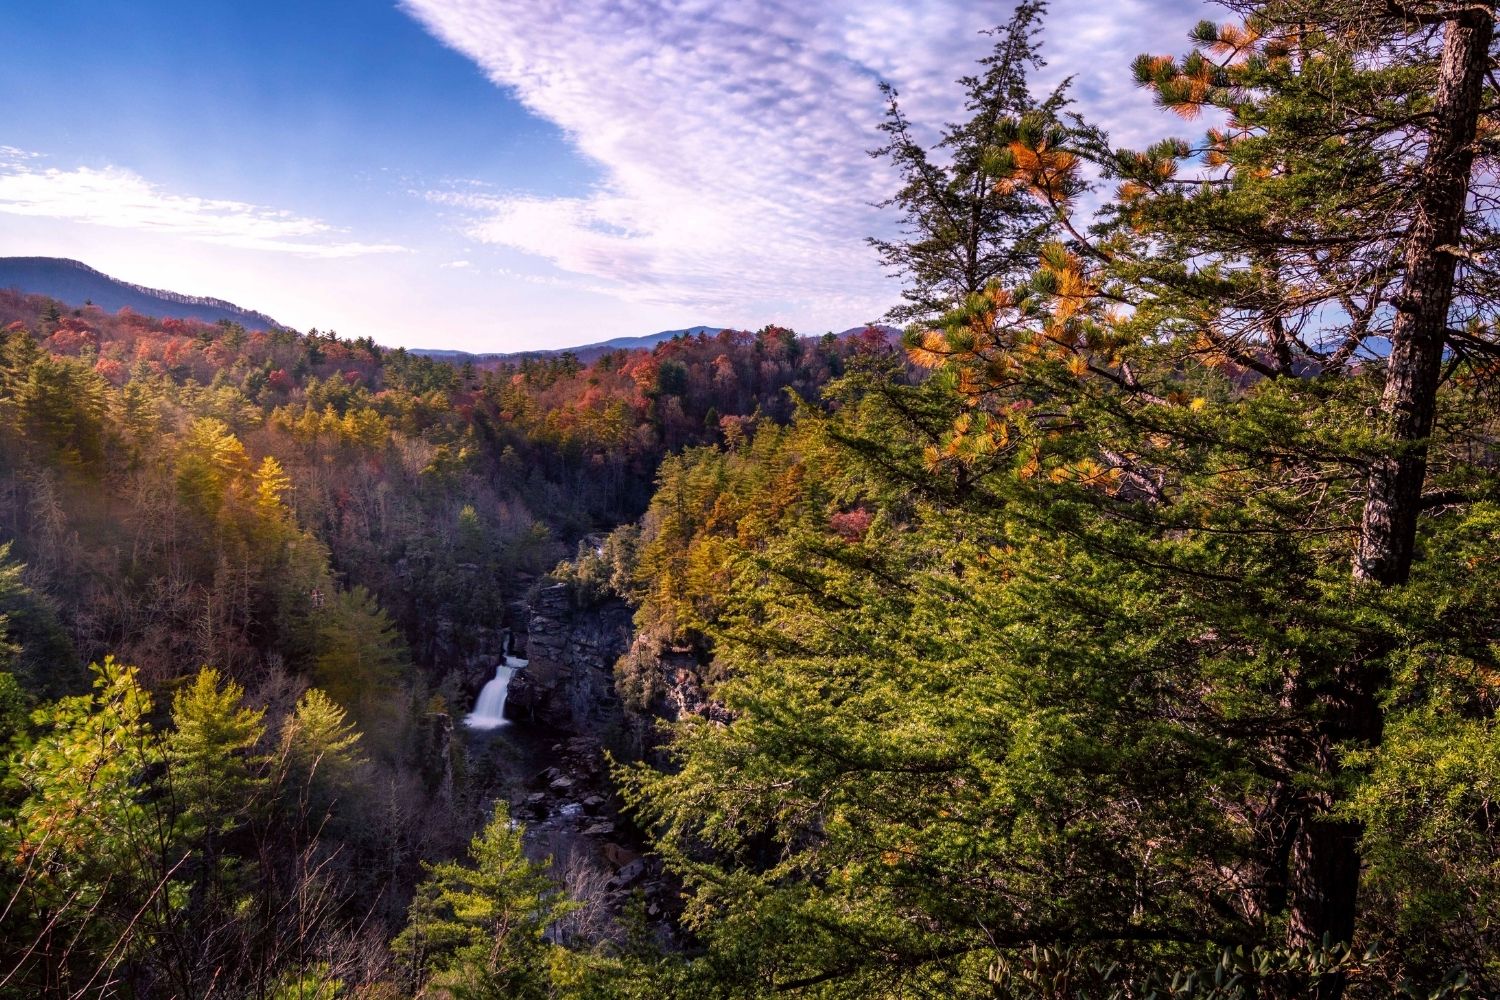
(588,353)
(74,283)
(584,352)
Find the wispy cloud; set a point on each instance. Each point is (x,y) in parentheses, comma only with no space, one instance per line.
(122,199)
(733,137)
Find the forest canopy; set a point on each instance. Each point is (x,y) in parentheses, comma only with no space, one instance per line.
(1130,629)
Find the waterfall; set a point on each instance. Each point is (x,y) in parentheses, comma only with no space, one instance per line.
(489,710)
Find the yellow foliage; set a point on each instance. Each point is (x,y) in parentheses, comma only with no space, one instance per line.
(932,352)
(1042,170)
(271,485)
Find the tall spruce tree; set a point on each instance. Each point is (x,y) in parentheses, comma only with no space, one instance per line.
(962,223)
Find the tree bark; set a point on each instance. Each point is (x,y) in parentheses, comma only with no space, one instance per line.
(1326,857)
(1409,402)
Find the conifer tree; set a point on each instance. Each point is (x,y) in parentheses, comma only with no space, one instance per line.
(1095,699)
(213,771)
(1344,217)
(477,929)
(963,224)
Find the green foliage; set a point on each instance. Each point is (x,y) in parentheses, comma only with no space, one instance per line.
(317,984)
(1089,672)
(360,658)
(319,742)
(477,930)
(137,853)
(964,224)
(602,570)
(210,755)
(14,713)
(61,406)
(33,645)
(82,775)
(90,844)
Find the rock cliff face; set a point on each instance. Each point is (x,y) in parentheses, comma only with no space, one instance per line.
(568,682)
(659,681)
(471,654)
(590,674)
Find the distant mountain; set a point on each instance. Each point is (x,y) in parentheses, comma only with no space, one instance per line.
(75,284)
(590,352)
(651,339)
(584,352)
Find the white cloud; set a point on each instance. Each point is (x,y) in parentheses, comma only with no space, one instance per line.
(457,265)
(733,137)
(121,199)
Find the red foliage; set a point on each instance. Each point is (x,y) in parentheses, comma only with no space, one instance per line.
(131,320)
(851,525)
(71,337)
(111,370)
(871,340)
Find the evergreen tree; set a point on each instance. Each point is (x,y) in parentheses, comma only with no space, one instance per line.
(478,929)
(214,773)
(360,660)
(95,849)
(1096,684)
(963,223)
(1348,196)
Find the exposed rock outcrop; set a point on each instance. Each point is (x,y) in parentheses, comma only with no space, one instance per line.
(568,682)
(573,816)
(659,681)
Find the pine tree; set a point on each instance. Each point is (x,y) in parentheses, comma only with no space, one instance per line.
(95,853)
(213,770)
(1346,207)
(1095,699)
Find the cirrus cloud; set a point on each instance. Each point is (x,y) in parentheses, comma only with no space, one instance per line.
(733,138)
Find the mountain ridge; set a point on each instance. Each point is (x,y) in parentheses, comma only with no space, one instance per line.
(75,283)
(588,353)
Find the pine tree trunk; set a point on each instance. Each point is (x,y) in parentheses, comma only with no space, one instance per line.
(1326,860)
(1408,405)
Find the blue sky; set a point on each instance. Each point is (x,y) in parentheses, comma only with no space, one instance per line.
(501,174)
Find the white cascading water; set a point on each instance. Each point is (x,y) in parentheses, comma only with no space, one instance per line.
(489,710)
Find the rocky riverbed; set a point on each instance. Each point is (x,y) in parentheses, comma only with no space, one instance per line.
(559,787)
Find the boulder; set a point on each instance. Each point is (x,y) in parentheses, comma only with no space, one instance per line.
(629,874)
(619,855)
